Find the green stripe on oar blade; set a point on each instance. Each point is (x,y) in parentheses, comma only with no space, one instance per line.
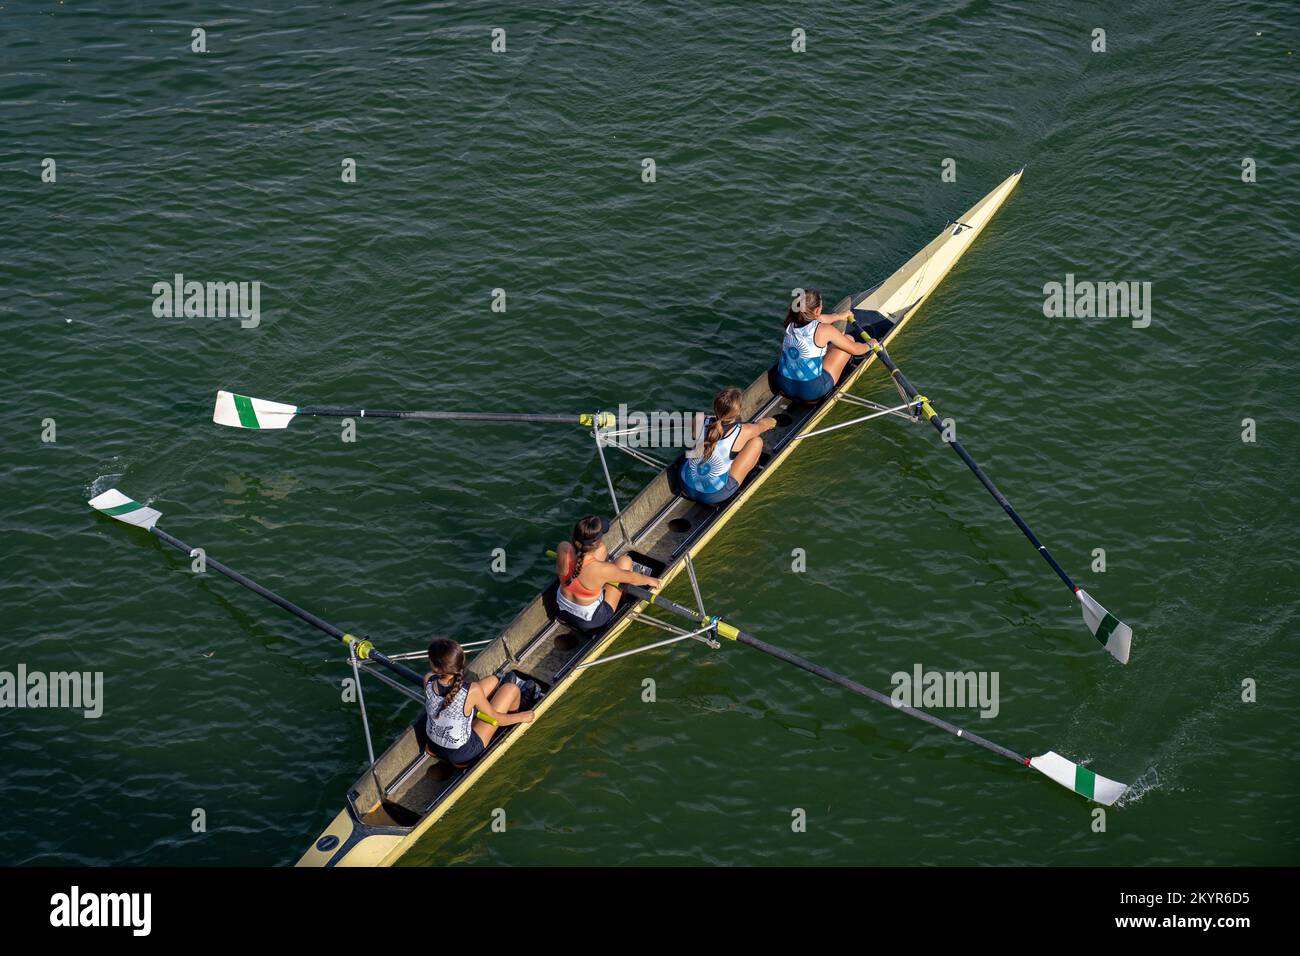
(244,406)
(1085,782)
(117,505)
(1112,633)
(244,411)
(1080,779)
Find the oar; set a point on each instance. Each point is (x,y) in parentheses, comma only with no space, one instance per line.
(117,505)
(1112,633)
(242,411)
(1066,772)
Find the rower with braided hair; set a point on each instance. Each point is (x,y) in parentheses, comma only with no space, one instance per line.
(451,704)
(728,450)
(587,587)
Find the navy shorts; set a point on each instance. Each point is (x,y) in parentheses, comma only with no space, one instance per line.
(712,497)
(472,750)
(810,391)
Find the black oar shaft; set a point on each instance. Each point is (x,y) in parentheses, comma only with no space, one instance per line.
(741,637)
(343,412)
(933,417)
(852,685)
(301,613)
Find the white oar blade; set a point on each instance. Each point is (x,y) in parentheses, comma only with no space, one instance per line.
(117,505)
(1081,780)
(1110,631)
(241,411)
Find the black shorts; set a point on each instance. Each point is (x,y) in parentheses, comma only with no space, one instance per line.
(604,614)
(472,750)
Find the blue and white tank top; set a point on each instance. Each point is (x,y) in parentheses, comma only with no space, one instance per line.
(801,356)
(705,475)
(450,729)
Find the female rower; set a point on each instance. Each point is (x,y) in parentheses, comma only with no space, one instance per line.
(588,591)
(805,372)
(728,451)
(451,703)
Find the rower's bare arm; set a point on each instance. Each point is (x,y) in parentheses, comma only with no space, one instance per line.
(561,552)
(842,341)
(509,720)
(836,316)
(619,576)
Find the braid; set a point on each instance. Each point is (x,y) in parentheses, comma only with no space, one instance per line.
(586,537)
(457,683)
(579,557)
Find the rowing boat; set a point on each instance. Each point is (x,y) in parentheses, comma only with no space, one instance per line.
(402,797)
(403,794)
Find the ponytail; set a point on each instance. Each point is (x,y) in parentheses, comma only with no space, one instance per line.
(726,411)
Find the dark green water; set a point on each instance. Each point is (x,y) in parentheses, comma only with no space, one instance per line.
(522,171)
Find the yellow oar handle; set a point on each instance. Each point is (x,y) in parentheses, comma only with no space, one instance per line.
(485,718)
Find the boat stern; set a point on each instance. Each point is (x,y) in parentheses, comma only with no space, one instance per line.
(348,842)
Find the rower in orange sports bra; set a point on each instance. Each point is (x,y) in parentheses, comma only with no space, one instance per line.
(587,591)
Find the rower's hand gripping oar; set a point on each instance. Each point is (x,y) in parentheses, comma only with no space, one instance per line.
(1112,633)
(242,411)
(1066,772)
